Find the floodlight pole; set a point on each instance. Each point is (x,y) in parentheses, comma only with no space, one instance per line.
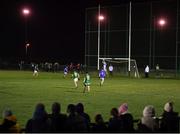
(26,13)
(177,22)
(98,36)
(26,49)
(154,32)
(150,34)
(27,45)
(129,58)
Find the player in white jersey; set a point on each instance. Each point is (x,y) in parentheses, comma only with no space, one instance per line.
(35,73)
(111,69)
(146,71)
(104,66)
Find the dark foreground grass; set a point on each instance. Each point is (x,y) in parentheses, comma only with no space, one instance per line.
(21,92)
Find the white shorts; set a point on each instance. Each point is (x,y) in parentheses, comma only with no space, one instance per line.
(75,79)
(65,73)
(102,79)
(35,71)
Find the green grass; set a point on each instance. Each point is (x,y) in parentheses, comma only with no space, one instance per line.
(20,91)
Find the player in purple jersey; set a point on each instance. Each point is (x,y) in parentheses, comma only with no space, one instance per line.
(102,75)
(65,71)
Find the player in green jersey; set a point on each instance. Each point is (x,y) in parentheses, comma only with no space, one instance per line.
(87,82)
(76,78)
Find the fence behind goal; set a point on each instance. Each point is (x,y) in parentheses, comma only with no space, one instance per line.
(151,45)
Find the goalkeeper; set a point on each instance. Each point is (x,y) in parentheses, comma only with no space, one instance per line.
(87,82)
(76,78)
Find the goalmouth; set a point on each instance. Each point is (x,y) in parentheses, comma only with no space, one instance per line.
(121,66)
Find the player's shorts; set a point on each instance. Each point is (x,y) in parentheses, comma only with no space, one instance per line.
(35,71)
(86,84)
(102,79)
(65,73)
(75,79)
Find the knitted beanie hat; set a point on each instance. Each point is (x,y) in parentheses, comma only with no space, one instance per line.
(123,108)
(168,107)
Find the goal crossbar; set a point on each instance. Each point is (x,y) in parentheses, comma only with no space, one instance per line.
(126,59)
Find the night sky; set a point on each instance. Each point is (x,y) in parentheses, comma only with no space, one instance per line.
(55,29)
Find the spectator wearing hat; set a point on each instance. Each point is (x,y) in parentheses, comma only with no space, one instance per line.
(126,118)
(9,123)
(170,120)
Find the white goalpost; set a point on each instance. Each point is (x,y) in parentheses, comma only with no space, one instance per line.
(119,60)
(121,66)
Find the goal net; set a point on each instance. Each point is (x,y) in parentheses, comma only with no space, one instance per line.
(120,66)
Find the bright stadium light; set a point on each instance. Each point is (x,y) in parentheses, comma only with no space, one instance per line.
(101,17)
(27,45)
(159,24)
(162,22)
(26,11)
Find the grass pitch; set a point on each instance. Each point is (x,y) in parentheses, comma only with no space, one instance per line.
(20,91)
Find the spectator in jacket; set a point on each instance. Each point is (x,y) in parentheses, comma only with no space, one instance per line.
(9,123)
(114,124)
(170,120)
(38,123)
(75,122)
(126,118)
(56,119)
(99,125)
(80,111)
(149,122)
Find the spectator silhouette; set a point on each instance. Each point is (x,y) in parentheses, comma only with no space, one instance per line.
(126,118)
(170,120)
(149,123)
(38,123)
(99,125)
(114,124)
(9,123)
(57,119)
(75,122)
(80,111)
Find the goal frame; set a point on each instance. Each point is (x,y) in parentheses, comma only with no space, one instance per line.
(125,60)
